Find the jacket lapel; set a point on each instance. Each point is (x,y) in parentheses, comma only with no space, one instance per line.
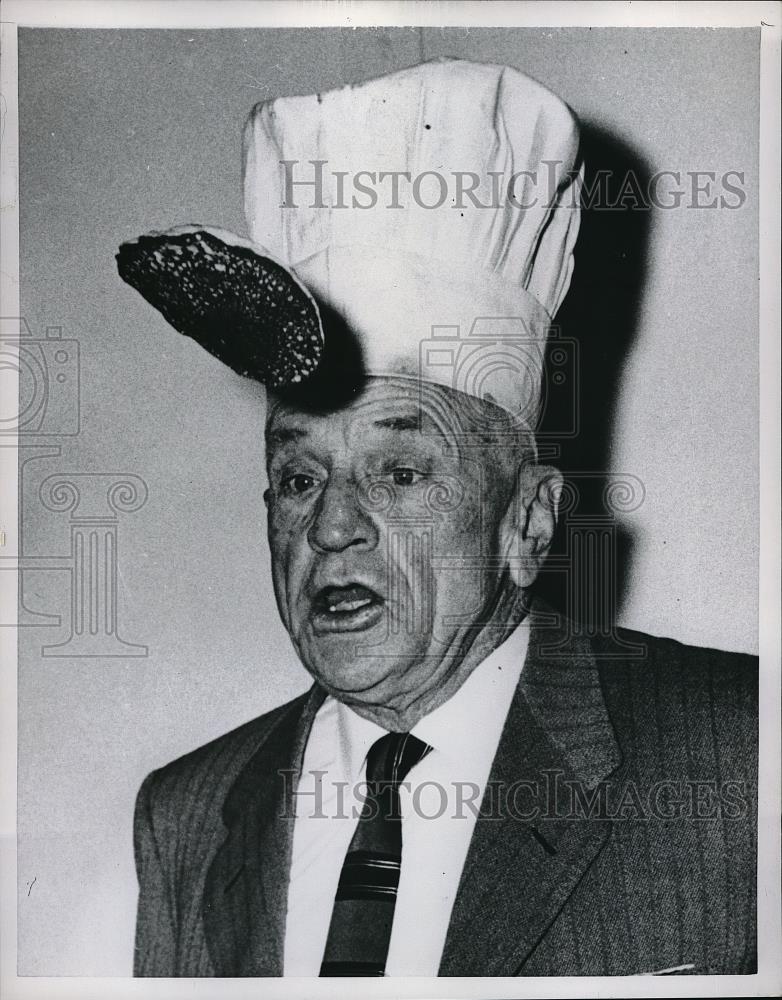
(245,896)
(529,851)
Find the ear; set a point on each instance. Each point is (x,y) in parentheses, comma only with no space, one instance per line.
(528,527)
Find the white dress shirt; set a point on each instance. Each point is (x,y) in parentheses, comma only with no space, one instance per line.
(440,800)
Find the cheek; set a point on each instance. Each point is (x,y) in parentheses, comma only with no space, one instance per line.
(289,549)
(463,530)
(409,561)
(466,540)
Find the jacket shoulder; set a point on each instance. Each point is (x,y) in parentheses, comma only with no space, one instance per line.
(208,772)
(671,700)
(634,652)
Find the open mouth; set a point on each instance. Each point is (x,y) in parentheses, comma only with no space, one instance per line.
(348,608)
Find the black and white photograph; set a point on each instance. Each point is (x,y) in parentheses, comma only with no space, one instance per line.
(390,526)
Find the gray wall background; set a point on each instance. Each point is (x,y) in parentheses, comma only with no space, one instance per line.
(126,131)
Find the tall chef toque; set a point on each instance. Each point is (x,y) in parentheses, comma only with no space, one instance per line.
(433,210)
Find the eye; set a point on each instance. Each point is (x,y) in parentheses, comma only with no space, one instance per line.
(297,484)
(406,477)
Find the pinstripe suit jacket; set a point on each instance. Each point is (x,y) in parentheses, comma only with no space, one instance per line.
(619,836)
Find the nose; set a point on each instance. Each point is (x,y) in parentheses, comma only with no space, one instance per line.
(340,522)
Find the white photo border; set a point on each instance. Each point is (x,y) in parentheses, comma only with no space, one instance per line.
(282,13)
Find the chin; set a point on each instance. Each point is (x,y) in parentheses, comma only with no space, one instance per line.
(348,676)
(346,666)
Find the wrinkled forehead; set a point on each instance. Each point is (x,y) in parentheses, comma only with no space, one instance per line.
(389,403)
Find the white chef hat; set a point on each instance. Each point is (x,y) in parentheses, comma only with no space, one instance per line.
(434,210)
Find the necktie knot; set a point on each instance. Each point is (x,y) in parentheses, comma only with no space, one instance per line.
(393,756)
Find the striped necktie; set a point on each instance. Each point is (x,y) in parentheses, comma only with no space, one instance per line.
(360,929)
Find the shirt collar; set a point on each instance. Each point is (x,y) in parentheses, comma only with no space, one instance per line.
(467,727)
(464,729)
(356,735)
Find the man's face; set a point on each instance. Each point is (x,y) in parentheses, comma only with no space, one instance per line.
(384,533)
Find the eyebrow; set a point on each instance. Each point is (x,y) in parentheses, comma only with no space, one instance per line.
(407,422)
(284,435)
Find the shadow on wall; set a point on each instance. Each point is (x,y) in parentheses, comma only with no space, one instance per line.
(589,567)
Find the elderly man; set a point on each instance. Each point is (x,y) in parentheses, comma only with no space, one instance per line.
(470,787)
